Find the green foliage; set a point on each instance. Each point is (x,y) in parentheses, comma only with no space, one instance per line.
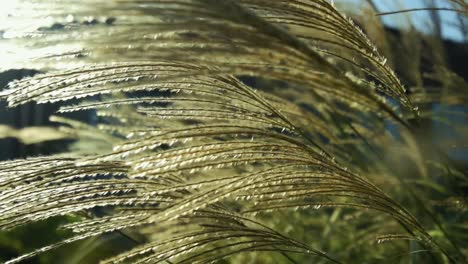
(195,164)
